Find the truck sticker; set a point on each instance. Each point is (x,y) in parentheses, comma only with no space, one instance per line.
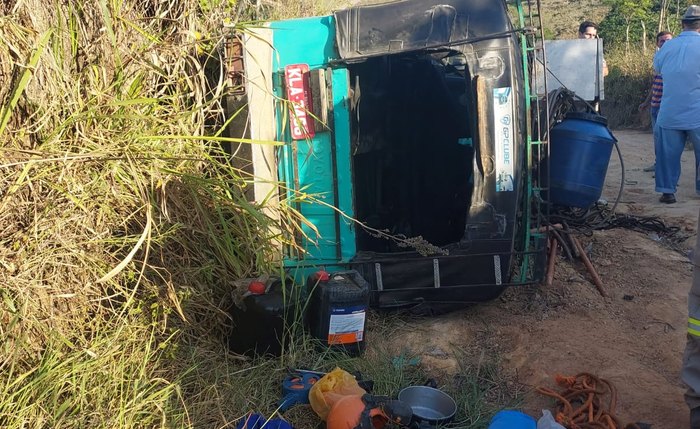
(503,138)
(296,77)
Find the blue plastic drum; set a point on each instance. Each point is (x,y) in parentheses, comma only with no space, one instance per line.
(580,148)
(511,419)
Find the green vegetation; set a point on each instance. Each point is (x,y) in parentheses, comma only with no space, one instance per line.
(626,87)
(629,30)
(636,22)
(121,229)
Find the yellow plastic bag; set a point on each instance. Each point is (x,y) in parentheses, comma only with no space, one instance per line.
(330,388)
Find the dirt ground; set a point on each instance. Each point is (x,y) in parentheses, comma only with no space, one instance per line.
(634,338)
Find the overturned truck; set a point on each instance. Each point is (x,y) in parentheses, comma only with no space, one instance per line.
(413,126)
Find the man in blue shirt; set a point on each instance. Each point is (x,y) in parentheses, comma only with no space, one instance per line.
(679,117)
(679,114)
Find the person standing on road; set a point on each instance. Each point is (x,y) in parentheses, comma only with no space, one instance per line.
(653,100)
(690,373)
(679,64)
(679,113)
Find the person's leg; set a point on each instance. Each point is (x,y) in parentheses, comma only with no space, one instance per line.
(668,145)
(653,113)
(690,373)
(694,138)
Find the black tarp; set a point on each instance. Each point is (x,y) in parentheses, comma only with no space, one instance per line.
(416,24)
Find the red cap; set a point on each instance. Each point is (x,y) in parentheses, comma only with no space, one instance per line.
(257,287)
(322,276)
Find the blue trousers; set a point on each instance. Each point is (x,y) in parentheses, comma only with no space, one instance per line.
(654,112)
(668,146)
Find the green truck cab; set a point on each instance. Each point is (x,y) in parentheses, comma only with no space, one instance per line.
(411,124)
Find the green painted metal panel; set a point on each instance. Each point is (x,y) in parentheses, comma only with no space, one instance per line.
(320,166)
(316,178)
(341,120)
(307,40)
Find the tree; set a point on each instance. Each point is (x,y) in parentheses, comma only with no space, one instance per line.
(631,11)
(663,9)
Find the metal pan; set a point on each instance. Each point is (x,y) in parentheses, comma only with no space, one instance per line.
(429,404)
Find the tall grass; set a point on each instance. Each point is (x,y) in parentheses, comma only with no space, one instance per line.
(111,381)
(121,232)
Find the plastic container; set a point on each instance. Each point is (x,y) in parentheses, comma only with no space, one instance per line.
(547,421)
(511,419)
(580,148)
(261,326)
(338,310)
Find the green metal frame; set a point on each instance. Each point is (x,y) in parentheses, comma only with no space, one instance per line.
(534,215)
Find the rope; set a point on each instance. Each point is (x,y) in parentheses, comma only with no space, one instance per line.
(587,402)
(600,217)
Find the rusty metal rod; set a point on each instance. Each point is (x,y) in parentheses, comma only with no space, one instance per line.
(591,270)
(546,228)
(553,248)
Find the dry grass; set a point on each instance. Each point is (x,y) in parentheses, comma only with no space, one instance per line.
(561,18)
(120,230)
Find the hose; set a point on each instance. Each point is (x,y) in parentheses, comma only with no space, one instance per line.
(562,101)
(582,404)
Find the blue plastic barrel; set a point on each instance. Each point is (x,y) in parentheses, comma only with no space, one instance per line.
(511,419)
(580,148)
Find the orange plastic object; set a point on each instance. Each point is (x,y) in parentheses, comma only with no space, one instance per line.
(347,412)
(331,388)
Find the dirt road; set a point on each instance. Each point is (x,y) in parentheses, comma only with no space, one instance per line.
(634,338)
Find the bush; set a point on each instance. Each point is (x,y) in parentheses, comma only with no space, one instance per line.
(626,86)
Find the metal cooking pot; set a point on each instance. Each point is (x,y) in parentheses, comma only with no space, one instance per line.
(429,404)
